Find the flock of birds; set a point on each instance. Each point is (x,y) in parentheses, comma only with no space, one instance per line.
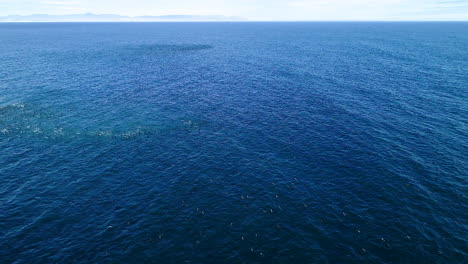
(255,236)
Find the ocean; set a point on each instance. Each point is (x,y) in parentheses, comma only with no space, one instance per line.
(293,142)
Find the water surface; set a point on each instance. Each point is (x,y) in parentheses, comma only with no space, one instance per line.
(233,143)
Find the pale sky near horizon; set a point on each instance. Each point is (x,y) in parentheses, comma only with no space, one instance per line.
(252,9)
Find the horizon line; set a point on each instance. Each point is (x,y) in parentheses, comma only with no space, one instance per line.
(182,18)
(239,21)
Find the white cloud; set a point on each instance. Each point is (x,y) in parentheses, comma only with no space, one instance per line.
(57,3)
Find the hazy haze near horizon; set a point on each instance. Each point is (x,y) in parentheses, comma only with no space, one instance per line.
(390,10)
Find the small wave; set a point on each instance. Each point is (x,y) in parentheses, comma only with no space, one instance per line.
(115,134)
(11,106)
(172,47)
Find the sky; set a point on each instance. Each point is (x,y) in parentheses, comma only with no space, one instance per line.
(387,10)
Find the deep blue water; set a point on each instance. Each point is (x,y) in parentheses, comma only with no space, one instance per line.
(234,143)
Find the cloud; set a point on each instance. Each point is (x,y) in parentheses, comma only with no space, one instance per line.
(341,3)
(59,3)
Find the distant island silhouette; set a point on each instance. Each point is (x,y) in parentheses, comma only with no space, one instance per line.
(90,17)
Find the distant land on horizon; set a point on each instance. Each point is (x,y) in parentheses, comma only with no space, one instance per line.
(89,17)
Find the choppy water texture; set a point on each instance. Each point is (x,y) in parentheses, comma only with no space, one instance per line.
(234,143)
